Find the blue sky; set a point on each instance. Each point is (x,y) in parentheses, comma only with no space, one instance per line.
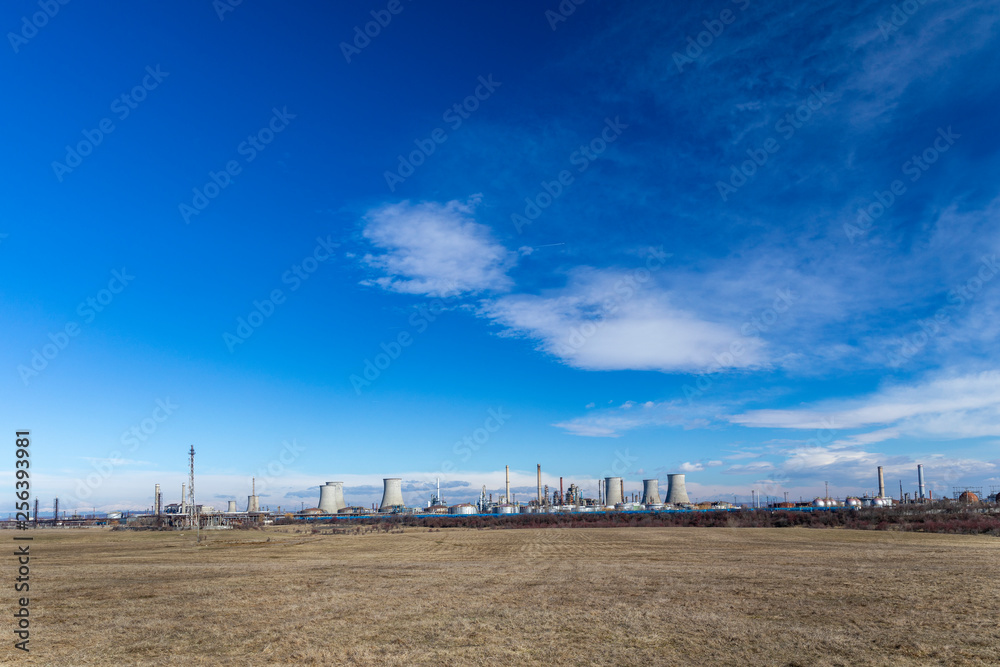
(750,241)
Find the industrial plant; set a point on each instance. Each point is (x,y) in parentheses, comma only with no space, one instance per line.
(611,496)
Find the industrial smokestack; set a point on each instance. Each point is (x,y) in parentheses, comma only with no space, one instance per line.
(183,498)
(650,492)
(676,491)
(613,491)
(156,500)
(331,497)
(539,483)
(562,498)
(232,507)
(881,483)
(392,494)
(506,497)
(920,480)
(621,488)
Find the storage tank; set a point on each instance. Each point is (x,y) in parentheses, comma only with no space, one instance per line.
(505,508)
(818,502)
(463,508)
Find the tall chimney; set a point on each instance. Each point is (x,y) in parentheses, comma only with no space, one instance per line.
(183,502)
(561,498)
(621,488)
(539,483)
(156,500)
(506,498)
(881,483)
(920,480)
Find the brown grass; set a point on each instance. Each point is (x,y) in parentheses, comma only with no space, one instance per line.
(599,596)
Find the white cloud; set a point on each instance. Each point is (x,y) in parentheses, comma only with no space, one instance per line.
(690,467)
(435,249)
(613,422)
(956,407)
(602,320)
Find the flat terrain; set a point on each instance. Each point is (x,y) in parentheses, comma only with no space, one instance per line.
(627,596)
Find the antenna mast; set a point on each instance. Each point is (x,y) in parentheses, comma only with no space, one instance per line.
(195,519)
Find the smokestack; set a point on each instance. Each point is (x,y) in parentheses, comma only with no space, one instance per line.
(613,491)
(183,498)
(600,492)
(392,494)
(331,497)
(506,497)
(539,483)
(676,491)
(621,488)
(156,500)
(920,480)
(881,483)
(650,492)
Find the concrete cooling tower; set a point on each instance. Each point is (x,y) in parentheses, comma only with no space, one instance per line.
(232,506)
(612,490)
(650,492)
(676,493)
(331,497)
(392,496)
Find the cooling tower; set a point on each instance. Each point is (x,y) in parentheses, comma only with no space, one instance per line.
(612,490)
(232,506)
(920,480)
(676,492)
(331,497)
(650,492)
(252,504)
(392,495)
(881,483)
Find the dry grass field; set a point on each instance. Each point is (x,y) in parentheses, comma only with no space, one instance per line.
(631,596)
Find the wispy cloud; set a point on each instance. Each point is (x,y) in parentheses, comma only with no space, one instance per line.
(435,249)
